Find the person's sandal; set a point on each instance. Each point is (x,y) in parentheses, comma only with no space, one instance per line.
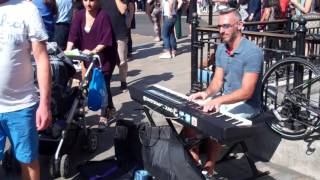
(157,39)
(102,123)
(165,55)
(207,176)
(173,53)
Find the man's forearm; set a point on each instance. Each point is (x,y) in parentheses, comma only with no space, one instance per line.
(122,7)
(216,83)
(213,89)
(43,72)
(234,97)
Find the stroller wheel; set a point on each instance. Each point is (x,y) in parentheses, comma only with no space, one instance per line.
(90,143)
(53,167)
(65,166)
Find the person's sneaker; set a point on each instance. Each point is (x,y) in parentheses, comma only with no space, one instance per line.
(123,86)
(157,39)
(173,53)
(165,56)
(102,123)
(207,176)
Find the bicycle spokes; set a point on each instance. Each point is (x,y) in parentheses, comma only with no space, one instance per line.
(295,106)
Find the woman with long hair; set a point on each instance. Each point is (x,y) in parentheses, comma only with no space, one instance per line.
(91,33)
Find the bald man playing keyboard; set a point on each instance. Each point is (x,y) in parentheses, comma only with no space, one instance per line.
(237,74)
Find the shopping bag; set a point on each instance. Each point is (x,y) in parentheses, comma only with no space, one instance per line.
(164,157)
(97,92)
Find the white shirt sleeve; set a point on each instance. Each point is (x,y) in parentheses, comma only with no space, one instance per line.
(35,25)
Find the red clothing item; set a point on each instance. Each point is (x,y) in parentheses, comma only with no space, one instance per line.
(283,7)
(229,52)
(100,34)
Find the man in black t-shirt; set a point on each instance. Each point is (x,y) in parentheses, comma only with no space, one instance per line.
(116,10)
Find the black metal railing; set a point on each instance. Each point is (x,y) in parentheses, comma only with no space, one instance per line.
(275,44)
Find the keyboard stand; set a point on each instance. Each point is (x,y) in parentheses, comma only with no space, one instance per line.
(147,112)
(255,172)
(187,146)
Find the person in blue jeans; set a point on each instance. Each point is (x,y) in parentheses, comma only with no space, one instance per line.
(48,10)
(22,113)
(238,75)
(169,20)
(63,22)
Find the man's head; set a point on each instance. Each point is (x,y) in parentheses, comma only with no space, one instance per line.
(230,25)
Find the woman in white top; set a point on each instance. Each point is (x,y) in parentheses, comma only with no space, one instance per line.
(303,6)
(169,19)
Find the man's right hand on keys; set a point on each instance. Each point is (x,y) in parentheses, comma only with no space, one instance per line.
(212,105)
(202,98)
(199,95)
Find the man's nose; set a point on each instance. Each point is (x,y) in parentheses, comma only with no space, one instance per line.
(221,30)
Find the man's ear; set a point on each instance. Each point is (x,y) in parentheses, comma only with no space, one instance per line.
(240,26)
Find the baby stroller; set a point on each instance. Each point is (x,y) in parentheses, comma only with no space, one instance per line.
(68,114)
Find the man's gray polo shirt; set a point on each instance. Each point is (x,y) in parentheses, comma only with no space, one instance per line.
(246,58)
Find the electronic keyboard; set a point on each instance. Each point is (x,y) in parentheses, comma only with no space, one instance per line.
(222,126)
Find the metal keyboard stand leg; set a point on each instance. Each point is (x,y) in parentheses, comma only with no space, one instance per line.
(147,112)
(255,172)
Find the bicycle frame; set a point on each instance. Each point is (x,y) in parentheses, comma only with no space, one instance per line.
(301,102)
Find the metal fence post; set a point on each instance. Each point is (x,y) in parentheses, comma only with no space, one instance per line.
(210,14)
(194,51)
(300,36)
(301,32)
(289,24)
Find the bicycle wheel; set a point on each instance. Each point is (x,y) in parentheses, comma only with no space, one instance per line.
(292,121)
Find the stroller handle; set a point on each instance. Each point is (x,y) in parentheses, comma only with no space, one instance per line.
(78,55)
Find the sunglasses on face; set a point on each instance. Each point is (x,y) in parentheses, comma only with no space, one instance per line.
(226,26)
